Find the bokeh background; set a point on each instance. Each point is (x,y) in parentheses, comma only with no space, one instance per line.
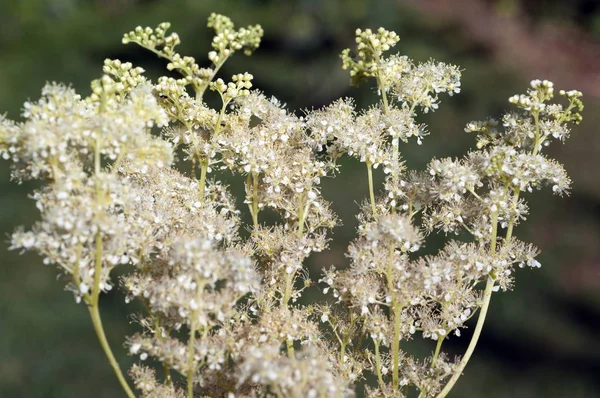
(540,340)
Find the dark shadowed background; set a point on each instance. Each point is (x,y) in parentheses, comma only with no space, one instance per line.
(540,340)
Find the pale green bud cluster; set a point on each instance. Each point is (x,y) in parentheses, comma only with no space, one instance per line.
(571,114)
(227,40)
(239,87)
(370,46)
(119,79)
(154,38)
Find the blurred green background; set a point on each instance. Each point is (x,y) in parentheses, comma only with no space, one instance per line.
(541,340)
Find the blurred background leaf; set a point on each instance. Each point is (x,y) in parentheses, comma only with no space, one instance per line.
(539,341)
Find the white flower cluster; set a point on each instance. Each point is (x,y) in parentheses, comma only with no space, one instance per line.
(223,308)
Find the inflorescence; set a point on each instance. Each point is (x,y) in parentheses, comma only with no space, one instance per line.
(221,310)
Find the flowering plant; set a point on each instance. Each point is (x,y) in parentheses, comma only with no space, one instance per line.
(221,311)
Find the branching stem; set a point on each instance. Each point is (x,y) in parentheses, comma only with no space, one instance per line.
(438,347)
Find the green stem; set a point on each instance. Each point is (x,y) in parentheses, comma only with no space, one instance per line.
(390,271)
(200,90)
(487,295)
(218,126)
(343,344)
(290,348)
(289,278)
(382,90)
(536,145)
(192,339)
(252,184)
(494,232)
(288,288)
(94,297)
(511,223)
(202,183)
(440,341)
(396,346)
(378,363)
(301,216)
(190,362)
(97,321)
(158,334)
(255,209)
(167,373)
(371,191)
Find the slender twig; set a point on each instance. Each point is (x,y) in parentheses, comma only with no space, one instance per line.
(378,363)
(396,346)
(255,208)
(290,347)
(190,361)
(94,297)
(202,183)
(438,346)
(371,191)
(511,223)
(192,342)
(97,322)
(487,295)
